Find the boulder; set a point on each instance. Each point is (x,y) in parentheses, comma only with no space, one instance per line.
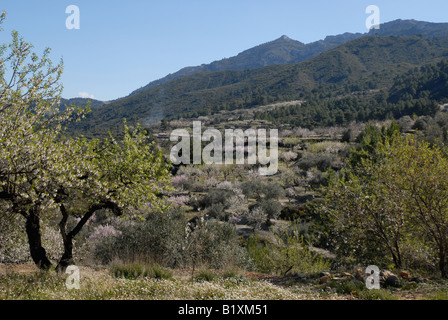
(393,281)
(405,275)
(323,279)
(360,274)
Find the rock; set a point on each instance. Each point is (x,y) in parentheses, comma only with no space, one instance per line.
(386,273)
(417,280)
(323,279)
(360,274)
(393,281)
(405,275)
(338,279)
(346,275)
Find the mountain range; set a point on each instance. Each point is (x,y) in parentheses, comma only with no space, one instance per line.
(285,50)
(281,70)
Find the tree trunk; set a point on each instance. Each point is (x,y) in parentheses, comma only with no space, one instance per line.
(442,262)
(38,253)
(67,257)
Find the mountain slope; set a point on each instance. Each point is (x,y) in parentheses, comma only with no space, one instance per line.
(361,64)
(285,50)
(280,51)
(407,28)
(80,102)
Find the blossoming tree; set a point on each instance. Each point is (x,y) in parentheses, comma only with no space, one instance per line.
(41,172)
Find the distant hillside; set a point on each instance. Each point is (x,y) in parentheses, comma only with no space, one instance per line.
(81,102)
(363,64)
(420,91)
(407,28)
(285,50)
(429,81)
(281,51)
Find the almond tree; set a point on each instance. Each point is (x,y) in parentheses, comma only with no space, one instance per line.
(119,176)
(398,192)
(41,172)
(30,122)
(418,172)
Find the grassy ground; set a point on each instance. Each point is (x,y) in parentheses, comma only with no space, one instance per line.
(26,282)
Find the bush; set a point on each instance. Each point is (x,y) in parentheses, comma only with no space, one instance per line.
(167,240)
(321,161)
(289,254)
(129,271)
(271,208)
(205,275)
(135,270)
(158,239)
(256,217)
(214,245)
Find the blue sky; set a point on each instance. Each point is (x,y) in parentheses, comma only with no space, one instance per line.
(123,45)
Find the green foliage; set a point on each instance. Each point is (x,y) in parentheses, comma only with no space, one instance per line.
(429,81)
(261,190)
(158,239)
(42,172)
(358,289)
(129,271)
(136,270)
(369,140)
(205,275)
(357,66)
(288,254)
(394,195)
(168,240)
(320,161)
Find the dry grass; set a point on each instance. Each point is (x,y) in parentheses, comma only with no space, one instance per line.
(26,282)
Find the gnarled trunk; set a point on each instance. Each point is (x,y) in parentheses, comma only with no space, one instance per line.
(67,256)
(38,253)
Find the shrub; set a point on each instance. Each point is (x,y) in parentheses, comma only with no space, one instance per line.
(182,182)
(178,201)
(136,270)
(289,156)
(256,217)
(167,240)
(271,208)
(158,239)
(205,275)
(130,271)
(213,244)
(159,272)
(321,161)
(289,254)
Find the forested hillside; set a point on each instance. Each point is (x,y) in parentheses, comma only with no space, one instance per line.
(368,63)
